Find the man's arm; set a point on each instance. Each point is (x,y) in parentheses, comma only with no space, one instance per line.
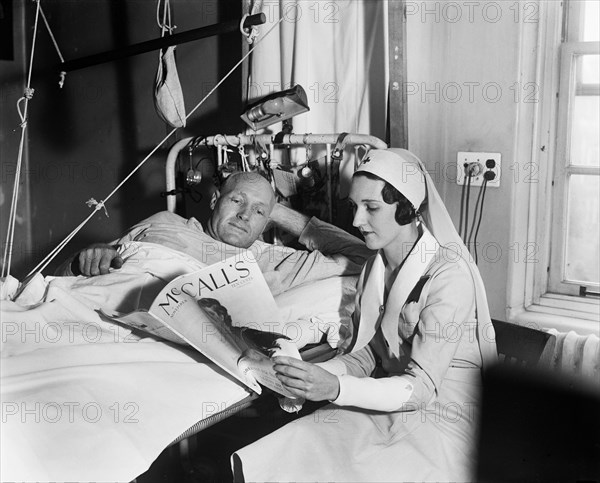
(315,235)
(289,220)
(332,252)
(96,259)
(161,228)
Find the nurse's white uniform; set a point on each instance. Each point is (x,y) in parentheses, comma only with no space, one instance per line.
(432,332)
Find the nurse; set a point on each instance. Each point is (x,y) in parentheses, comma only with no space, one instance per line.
(405,392)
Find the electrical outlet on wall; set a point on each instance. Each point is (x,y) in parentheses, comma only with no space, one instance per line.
(479,165)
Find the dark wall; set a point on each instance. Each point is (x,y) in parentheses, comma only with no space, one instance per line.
(86,137)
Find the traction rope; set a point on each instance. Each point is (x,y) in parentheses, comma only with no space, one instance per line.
(63,74)
(27,95)
(166,18)
(101,204)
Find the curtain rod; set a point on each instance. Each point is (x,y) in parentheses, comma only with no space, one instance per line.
(166,41)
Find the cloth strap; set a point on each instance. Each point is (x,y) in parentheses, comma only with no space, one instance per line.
(168,95)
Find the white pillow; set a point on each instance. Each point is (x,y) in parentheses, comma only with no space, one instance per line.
(313,309)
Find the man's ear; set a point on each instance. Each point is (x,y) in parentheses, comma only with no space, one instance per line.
(213,199)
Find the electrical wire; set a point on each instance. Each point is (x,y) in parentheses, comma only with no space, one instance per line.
(462,205)
(464,236)
(483,188)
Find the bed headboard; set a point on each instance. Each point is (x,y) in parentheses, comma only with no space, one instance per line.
(267,148)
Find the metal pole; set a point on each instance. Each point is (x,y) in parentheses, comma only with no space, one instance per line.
(166,41)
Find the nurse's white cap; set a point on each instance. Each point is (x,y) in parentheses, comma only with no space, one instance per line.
(400,168)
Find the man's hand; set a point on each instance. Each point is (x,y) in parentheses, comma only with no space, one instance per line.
(96,260)
(306,380)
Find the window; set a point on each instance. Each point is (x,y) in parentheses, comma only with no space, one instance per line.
(575,246)
(558,220)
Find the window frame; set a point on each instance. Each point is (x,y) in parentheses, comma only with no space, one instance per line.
(528,299)
(568,88)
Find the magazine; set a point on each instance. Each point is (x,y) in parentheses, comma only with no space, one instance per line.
(226,312)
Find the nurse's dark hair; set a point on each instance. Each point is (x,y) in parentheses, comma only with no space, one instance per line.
(405,211)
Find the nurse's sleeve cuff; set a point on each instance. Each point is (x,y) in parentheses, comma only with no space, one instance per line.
(387,394)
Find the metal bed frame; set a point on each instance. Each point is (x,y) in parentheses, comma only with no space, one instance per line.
(334,145)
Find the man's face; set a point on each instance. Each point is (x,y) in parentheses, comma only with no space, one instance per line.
(242,210)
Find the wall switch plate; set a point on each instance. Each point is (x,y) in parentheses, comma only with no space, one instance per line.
(486,162)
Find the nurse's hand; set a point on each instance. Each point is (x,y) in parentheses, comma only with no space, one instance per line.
(306,380)
(96,260)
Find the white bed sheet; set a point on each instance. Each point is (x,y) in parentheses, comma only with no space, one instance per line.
(102,412)
(85,400)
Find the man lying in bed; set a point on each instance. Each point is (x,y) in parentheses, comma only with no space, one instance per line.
(58,352)
(241,212)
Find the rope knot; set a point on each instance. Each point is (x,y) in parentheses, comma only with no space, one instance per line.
(98,204)
(28,93)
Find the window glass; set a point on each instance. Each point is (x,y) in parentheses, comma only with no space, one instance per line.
(591,21)
(582,262)
(588,69)
(585,126)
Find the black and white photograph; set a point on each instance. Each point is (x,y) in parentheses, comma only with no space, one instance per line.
(300,241)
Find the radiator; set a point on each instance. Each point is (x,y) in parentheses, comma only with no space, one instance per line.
(577,356)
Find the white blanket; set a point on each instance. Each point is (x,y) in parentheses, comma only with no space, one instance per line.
(84,399)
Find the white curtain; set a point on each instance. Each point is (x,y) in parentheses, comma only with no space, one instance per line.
(336,51)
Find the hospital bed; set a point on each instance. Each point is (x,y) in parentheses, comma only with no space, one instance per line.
(50,405)
(332,146)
